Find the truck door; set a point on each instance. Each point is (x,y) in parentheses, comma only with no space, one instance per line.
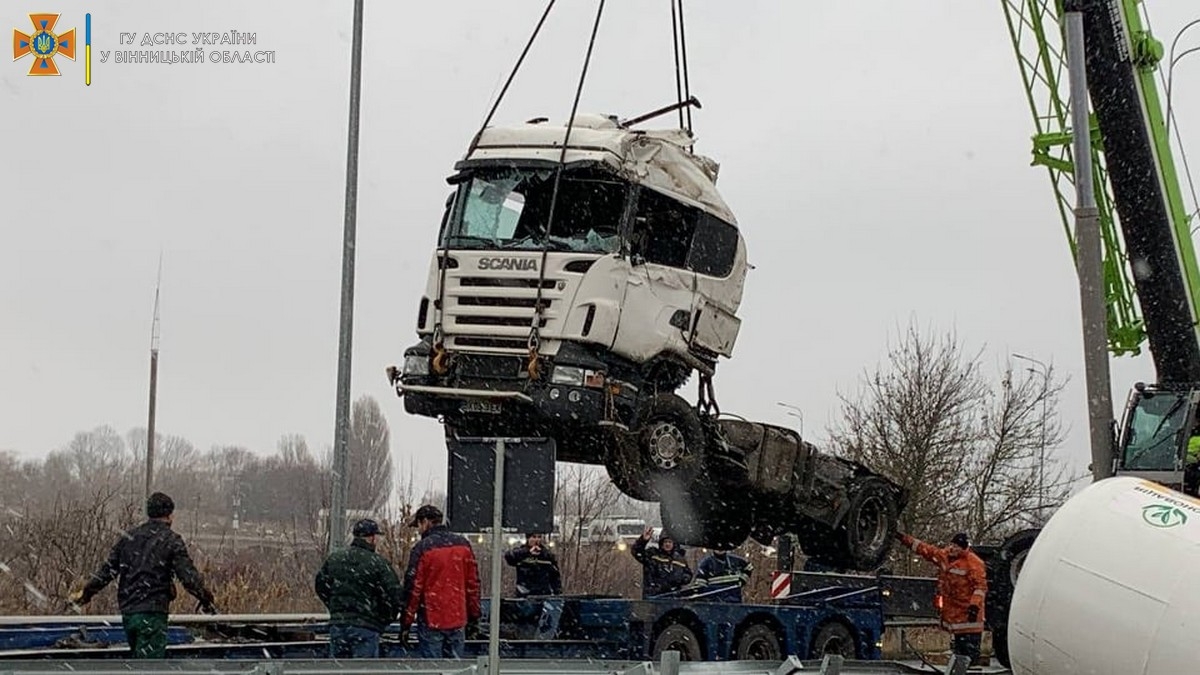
(660,294)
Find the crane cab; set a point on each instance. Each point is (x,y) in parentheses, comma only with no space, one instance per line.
(1158,423)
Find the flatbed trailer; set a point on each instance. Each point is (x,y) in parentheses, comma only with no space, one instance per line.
(825,613)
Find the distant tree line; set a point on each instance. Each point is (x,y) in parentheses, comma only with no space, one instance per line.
(290,485)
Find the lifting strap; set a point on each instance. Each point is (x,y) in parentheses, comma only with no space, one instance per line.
(539,307)
(706,401)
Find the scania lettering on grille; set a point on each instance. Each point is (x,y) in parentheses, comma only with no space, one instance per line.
(518,264)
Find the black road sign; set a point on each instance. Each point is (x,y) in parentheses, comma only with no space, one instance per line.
(528,484)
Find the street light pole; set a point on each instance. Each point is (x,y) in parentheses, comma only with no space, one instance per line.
(341,433)
(794,412)
(1045,372)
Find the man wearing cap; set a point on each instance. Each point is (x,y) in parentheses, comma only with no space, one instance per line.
(962,589)
(538,574)
(362,593)
(664,569)
(441,587)
(148,559)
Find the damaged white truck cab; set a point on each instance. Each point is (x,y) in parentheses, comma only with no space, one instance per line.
(590,327)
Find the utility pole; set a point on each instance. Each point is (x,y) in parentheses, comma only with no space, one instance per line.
(154,335)
(341,434)
(1089,262)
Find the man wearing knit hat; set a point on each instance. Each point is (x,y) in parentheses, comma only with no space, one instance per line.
(148,559)
(962,589)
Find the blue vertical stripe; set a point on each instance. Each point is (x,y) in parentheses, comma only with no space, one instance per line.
(87,22)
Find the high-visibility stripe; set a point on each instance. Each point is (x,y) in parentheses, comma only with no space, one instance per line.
(957,570)
(963,626)
(979,591)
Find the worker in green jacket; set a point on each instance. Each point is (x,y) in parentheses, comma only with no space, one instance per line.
(362,592)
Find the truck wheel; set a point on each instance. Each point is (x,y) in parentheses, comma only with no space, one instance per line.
(870,524)
(672,438)
(759,642)
(680,638)
(627,470)
(832,638)
(1000,645)
(1004,569)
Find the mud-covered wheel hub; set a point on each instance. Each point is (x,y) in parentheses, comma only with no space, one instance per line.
(666,446)
(872,531)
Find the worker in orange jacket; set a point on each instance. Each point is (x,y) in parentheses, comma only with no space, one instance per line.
(962,589)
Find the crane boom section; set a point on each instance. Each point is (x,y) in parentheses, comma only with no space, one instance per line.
(1121,57)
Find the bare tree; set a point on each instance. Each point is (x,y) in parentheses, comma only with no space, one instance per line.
(369,485)
(965,447)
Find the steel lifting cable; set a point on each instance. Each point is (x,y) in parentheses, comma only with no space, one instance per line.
(675,50)
(444,258)
(687,90)
(535,324)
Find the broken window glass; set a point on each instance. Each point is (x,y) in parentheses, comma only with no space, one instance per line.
(508,208)
(714,247)
(663,229)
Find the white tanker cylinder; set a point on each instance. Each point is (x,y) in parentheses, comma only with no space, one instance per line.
(1111,585)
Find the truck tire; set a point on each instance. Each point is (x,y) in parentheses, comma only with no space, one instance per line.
(759,642)
(671,437)
(680,638)
(1004,568)
(869,527)
(833,637)
(627,470)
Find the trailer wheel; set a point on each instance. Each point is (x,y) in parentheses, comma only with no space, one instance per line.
(832,638)
(759,642)
(679,638)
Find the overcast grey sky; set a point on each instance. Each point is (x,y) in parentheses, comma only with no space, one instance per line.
(876,154)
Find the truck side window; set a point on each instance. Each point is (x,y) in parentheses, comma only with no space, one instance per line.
(663,229)
(714,247)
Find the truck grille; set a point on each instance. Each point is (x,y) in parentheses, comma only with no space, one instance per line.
(495,313)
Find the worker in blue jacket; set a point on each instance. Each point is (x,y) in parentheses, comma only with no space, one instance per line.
(723,575)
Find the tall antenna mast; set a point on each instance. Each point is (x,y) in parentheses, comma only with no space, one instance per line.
(153,382)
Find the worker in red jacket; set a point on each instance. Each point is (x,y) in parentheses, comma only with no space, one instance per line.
(962,589)
(441,587)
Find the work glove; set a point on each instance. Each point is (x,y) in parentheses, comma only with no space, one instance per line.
(207,607)
(972,614)
(404,636)
(78,598)
(905,539)
(472,630)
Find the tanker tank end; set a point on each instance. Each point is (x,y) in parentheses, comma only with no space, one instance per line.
(1108,585)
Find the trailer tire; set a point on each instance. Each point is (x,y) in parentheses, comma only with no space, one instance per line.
(759,642)
(833,637)
(680,638)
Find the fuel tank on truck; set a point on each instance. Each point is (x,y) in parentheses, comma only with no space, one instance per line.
(1111,585)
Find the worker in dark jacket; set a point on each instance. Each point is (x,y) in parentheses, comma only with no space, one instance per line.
(537,568)
(441,587)
(362,592)
(723,574)
(664,569)
(147,560)
(538,574)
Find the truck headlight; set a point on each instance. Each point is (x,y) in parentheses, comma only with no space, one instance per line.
(415,364)
(570,375)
